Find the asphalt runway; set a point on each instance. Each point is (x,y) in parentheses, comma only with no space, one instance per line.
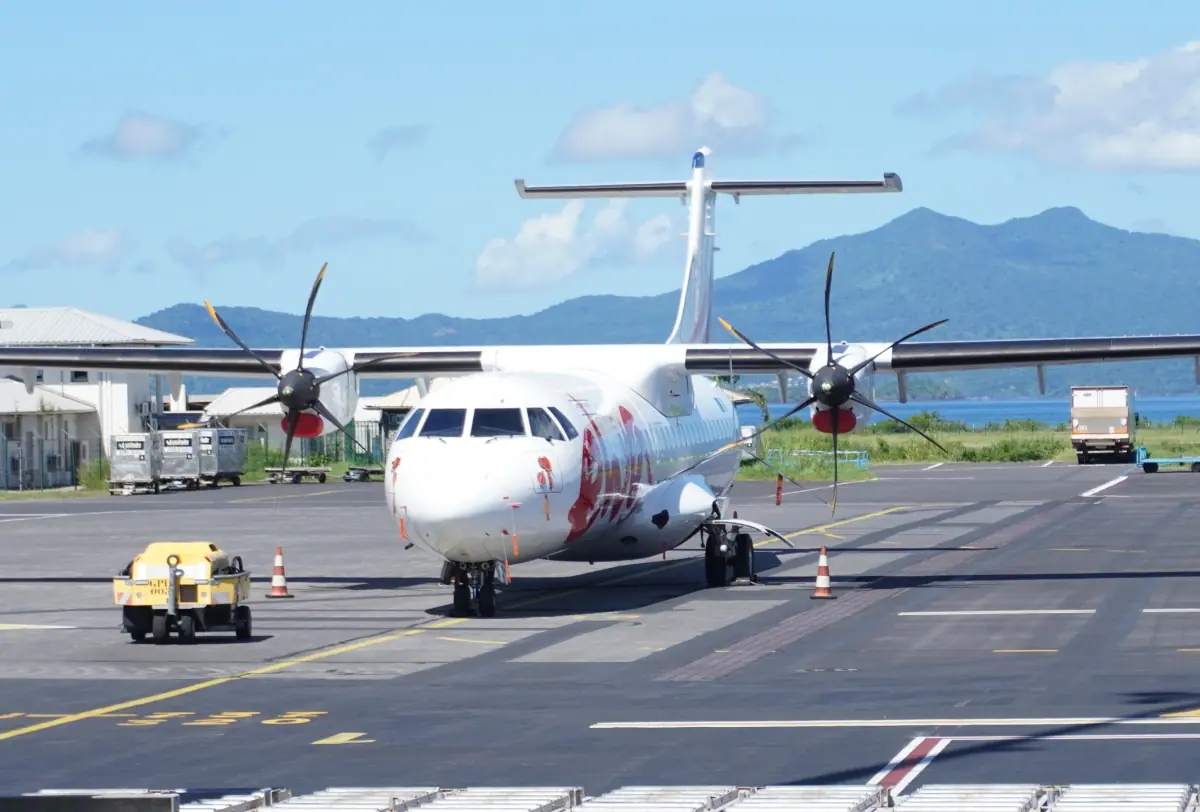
(997,623)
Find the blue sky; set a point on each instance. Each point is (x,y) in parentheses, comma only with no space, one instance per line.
(160,153)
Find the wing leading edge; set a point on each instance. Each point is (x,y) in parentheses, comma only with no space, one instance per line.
(705,359)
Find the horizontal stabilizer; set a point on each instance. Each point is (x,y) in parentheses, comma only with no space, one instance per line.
(891,183)
(664,189)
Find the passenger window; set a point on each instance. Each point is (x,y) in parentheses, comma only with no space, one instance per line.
(542,425)
(444,423)
(409,428)
(497,423)
(566,424)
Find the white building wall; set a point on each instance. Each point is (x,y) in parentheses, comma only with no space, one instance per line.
(121,399)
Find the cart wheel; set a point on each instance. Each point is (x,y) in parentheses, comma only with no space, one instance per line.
(242,624)
(237,480)
(137,636)
(187,629)
(156,487)
(296,479)
(321,478)
(159,629)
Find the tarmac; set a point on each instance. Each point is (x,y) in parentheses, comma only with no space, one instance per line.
(992,624)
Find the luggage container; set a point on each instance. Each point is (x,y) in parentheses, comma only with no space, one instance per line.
(180,458)
(222,456)
(134,463)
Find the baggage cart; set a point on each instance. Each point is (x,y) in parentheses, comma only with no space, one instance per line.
(134,463)
(222,456)
(180,458)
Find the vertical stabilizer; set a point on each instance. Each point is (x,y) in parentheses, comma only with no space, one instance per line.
(694,315)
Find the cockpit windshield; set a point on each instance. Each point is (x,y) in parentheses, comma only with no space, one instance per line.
(444,423)
(497,423)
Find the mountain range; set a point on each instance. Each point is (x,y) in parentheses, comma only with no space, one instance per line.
(1055,274)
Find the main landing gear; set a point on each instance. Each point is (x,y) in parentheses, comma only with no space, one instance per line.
(473,584)
(722,554)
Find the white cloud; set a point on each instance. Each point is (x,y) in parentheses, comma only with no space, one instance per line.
(717,113)
(87,247)
(318,232)
(552,247)
(142,135)
(405,135)
(1138,115)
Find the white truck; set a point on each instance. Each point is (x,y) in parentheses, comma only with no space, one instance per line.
(1103,424)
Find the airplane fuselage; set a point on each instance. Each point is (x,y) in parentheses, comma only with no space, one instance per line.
(517,466)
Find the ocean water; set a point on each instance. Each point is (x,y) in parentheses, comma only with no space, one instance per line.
(978,413)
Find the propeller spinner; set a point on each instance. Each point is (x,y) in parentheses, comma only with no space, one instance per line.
(299,390)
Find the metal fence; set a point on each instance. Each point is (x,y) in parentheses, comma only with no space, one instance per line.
(36,463)
(337,447)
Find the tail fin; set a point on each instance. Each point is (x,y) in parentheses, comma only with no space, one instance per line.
(694,315)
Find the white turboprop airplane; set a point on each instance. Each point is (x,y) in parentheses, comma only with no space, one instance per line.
(588,452)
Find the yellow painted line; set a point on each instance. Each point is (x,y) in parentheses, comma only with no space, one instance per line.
(1024,651)
(454,621)
(469,640)
(285,496)
(345,738)
(1193,712)
(9,715)
(200,686)
(821,529)
(1189,649)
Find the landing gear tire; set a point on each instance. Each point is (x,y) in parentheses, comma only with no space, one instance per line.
(743,557)
(716,565)
(462,599)
(486,601)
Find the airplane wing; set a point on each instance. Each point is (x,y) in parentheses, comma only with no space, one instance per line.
(949,356)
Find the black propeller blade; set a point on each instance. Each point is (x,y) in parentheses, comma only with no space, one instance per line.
(299,390)
(833,384)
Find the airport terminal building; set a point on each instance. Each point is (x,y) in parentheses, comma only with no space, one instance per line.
(70,415)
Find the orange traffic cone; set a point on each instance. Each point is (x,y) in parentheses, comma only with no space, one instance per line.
(822,589)
(279,579)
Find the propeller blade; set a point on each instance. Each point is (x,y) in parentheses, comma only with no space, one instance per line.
(362,365)
(227,330)
(209,420)
(325,413)
(312,298)
(828,330)
(836,414)
(291,432)
(918,331)
(870,404)
(741,337)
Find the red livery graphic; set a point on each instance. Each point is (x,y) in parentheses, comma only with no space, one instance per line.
(616,459)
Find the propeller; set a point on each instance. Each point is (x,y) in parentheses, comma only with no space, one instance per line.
(298,390)
(832,387)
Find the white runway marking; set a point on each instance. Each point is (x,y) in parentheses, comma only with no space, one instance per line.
(917,723)
(935,465)
(8,627)
(1048,463)
(900,771)
(1180,610)
(1108,484)
(966,612)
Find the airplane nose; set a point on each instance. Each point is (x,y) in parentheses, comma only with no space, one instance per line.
(452,504)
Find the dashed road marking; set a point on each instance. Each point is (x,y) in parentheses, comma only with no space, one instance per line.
(345,738)
(1105,486)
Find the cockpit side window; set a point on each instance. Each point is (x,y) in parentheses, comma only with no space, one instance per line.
(542,425)
(444,423)
(566,424)
(410,425)
(497,423)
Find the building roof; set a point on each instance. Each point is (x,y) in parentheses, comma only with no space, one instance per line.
(237,398)
(70,326)
(15,400)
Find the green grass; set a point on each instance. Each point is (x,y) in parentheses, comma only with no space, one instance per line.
(1011,441)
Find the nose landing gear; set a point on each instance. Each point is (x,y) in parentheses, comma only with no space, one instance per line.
(474,589)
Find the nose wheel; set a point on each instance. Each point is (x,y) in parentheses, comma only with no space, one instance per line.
(474,590)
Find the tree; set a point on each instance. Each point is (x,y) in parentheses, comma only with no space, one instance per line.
(731,382)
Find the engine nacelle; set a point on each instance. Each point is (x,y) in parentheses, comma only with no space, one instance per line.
(680,501)
(852,414)
(339,396)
